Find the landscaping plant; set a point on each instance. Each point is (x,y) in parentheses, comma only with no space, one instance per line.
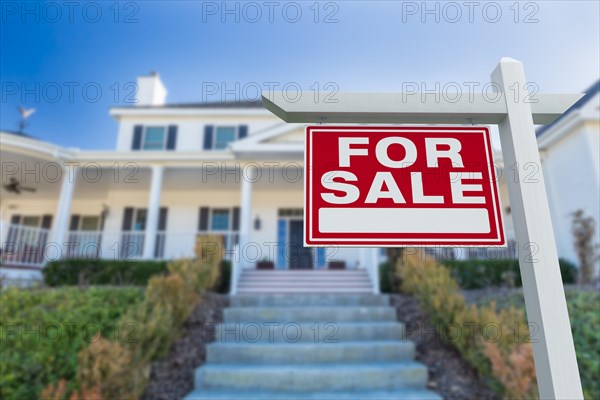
(43,330)
(156,322)
(493,348)
(584,234)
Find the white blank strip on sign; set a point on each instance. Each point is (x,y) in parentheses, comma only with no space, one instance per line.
(404,220)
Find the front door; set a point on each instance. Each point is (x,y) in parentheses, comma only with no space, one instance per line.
(300,257)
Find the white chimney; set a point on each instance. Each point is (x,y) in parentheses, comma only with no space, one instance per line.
(151,91)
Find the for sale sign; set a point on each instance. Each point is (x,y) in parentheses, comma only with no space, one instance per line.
(401,186)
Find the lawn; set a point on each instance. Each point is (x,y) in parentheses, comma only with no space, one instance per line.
(42,331)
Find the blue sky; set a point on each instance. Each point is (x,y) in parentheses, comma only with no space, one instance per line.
(367,46)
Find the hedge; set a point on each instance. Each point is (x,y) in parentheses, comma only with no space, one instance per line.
(478,274)
(39,340)
(504,363)
(102,272)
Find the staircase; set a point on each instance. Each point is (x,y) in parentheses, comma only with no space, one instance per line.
(254,281)
(310,346)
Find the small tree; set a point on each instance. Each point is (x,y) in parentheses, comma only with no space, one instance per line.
(584,228)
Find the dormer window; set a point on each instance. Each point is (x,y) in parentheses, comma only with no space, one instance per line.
(225,135)
(154,138)
(219,137)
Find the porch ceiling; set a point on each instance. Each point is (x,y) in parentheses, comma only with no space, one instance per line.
(93,182)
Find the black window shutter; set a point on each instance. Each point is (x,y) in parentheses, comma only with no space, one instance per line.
(127,219)
(162,219)
(172,137)
(46,221)
(203,220)
(15,219)
(74,225)
(138,131)
(242,131)
(235,223)
(208,137)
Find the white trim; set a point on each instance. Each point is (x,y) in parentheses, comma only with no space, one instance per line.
(173,111)
(272,132)
(561,128)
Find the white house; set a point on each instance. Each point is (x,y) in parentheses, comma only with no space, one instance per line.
(570,153)
(234,169)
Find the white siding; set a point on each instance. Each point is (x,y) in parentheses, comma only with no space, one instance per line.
(571,177)
(190,133)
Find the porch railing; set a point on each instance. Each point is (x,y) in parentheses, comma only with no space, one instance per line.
(24,245)
(475,253)
(30,246)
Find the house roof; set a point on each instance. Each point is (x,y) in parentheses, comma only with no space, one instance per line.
(589,94)
(16,133)
(215,104)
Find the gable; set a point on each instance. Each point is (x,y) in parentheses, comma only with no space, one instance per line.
(295,136)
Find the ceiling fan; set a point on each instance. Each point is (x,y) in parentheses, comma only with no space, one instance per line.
(14,186)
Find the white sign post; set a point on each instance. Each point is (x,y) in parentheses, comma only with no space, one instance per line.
(515,113)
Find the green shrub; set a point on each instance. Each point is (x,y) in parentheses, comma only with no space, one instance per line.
(385,278)
(157,321)
(478,274)
(102,272)
(584,313)
(224,284)
(29,363)
(507,364)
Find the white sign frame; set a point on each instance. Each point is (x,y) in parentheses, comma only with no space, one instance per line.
(553,347)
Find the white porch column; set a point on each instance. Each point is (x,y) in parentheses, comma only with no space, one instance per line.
(363,257)
(63,211)
(375,260)
(153,211)
(248,175)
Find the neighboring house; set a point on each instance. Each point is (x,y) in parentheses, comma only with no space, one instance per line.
(232,169)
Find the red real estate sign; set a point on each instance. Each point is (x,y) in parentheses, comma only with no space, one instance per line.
(401,186)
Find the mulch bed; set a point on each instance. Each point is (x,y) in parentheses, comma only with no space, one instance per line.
(173,377)
(449,375)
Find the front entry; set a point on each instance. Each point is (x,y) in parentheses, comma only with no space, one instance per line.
(299,257)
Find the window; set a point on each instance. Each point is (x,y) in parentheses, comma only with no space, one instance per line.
(290,212)
(139,220)
(219,219)
(89,223)
(224,135)
(154,138)
(32,222)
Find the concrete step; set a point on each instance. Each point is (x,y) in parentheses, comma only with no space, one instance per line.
(324,332)
(396,394)
(309,353)
(308,278)
(306,272)
(299,282)
(303,290)
(310,300)
(312,377)
(309,314)
(301,285)
(328,282)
